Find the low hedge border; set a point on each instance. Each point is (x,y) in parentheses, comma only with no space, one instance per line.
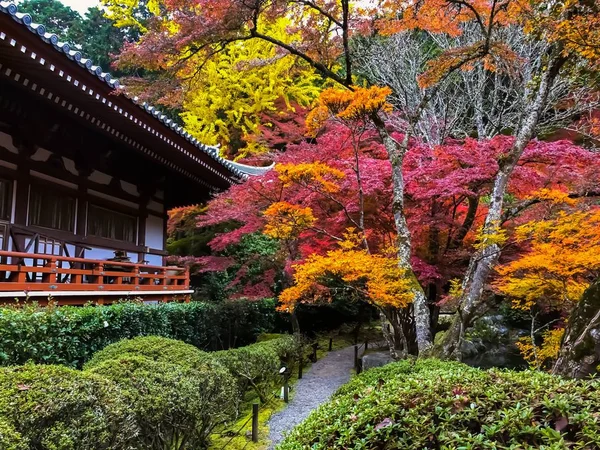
(71,335)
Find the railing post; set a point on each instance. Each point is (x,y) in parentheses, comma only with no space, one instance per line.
(100,276)
(356,357)
(255,422)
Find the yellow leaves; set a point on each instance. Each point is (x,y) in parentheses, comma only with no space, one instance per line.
(538,357)
(356,105)
(375,277)
(317,175)
(493,235)
(287,221)
(227,99)
(563,253)
(554,196)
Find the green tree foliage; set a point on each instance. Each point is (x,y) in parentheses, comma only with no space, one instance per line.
(93,33)
(57,17)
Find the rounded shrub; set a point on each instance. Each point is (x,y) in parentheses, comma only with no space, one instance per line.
(57,408)
(441,405)
(155,348)
(257,366)
(174,406)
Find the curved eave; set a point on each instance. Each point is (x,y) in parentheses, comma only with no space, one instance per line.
(239,171)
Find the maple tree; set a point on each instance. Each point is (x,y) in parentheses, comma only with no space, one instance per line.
(558,264)
(466,37)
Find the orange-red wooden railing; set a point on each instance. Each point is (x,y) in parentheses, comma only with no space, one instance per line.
(39,272)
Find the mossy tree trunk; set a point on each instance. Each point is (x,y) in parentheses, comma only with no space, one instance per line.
(579,355)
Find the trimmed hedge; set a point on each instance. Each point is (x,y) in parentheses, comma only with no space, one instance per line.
(257,366)
(70,335)
(444,405)
(156,348)
(174,406)
(57,408)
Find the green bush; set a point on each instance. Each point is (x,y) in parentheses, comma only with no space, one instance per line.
(57,408)
(437,405)
(257,366)
(174,406)
(156,348)
(10,439)
(70,335)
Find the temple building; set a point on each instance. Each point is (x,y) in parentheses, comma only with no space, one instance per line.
(87,176)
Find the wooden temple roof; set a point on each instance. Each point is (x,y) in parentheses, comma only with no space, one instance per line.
(88,92)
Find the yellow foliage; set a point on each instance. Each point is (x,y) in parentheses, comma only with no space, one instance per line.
(315,174)
(226,100)
(355,105)
(492,236)
(536,356)
(553,196)
(456,289)
(126,13)
(287,221)
(555,270)
(378,278)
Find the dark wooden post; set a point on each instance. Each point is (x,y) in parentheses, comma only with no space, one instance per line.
(366,344)
(314,355)
(356,358)
(286,390)
(255,422)
(330,343)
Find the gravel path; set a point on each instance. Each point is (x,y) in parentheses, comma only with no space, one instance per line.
(315,387)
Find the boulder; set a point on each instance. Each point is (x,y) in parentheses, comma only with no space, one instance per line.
(377,359)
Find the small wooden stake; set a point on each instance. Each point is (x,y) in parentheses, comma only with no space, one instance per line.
(255,422)
(330,344)
(356,357)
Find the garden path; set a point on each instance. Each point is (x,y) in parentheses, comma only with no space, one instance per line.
(315,387)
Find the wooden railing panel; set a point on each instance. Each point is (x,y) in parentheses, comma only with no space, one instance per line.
(58,273)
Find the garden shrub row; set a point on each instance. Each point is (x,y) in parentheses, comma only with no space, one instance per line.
(448,405)
(150,393)
(70,335)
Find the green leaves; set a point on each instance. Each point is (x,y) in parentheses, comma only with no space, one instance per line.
(447,405)
(70,335)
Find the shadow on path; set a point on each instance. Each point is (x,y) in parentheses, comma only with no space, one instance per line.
(315,387)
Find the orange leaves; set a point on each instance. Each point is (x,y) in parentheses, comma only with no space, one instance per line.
(318,175)
(287,221)
(377,278)
(496,57)
(555,271)
(356,105)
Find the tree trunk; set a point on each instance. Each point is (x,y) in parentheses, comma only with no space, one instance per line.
(579,355)
(472,304)
(396,152)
